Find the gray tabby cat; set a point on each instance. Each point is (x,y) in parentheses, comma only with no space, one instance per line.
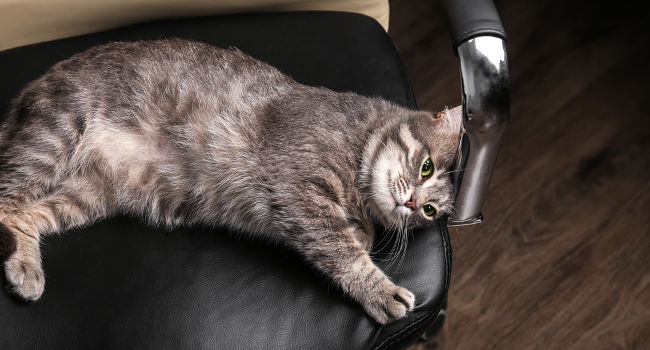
(182,132)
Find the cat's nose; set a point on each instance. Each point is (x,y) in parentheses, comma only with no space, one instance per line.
(410,203)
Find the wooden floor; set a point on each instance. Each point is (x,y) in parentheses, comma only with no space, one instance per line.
(563,258)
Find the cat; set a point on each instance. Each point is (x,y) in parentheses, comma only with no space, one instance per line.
(181,133)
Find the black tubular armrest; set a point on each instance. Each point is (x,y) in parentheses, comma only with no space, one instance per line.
(472,18)
(479,42)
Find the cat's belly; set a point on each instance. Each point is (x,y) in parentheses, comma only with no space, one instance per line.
(175,188)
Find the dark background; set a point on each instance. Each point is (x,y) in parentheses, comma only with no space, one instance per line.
(562,259)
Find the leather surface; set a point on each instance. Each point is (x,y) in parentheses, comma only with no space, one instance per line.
(472,18)
(122,284)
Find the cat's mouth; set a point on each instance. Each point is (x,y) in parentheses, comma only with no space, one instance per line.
(402,210)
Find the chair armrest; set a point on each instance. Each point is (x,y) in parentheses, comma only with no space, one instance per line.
(479,41)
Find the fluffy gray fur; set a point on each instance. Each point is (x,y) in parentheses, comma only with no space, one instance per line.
(181,132)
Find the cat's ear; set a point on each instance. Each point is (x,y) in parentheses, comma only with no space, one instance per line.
(450,121)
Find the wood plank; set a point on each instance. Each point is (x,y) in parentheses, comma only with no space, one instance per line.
(562,260)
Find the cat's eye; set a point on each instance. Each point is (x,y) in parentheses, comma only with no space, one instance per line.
(429,210)
(427,168)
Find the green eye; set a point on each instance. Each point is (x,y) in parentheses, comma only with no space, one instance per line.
(429,210)
(427,168)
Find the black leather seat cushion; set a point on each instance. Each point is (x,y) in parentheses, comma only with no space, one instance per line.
(121,284)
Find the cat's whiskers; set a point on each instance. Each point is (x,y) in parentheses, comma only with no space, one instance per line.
(379,246)
(392,254)
(455,171)
(401,245)
(396,255)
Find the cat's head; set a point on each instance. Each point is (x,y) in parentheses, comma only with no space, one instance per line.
(407,177)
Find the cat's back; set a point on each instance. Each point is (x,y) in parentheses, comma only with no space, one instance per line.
(153,61)
(152,83)
(160,90)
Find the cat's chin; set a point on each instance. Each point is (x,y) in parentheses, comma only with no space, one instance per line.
(397,217)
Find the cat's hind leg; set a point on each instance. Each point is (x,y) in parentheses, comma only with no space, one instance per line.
(22,228)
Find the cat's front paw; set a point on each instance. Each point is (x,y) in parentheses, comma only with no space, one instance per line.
(390,303)
(26,278)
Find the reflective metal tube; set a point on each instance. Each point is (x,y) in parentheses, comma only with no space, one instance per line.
(486,109)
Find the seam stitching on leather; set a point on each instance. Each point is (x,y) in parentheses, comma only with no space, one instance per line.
(406,81)
(405,331)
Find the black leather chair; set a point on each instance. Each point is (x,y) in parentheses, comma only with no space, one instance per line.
(122,284)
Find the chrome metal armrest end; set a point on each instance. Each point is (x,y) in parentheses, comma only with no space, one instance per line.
(486,109)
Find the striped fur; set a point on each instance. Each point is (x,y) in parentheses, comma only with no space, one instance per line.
(180,132)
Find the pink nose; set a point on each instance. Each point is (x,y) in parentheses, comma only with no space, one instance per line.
(410,203)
